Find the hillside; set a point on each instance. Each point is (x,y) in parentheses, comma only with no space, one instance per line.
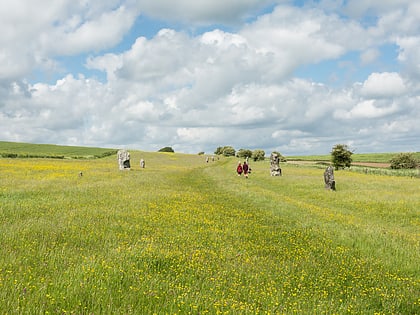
(29,150)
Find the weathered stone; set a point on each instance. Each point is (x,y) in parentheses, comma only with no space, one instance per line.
(329,178)
(142,163)
(123,159)
(275,169)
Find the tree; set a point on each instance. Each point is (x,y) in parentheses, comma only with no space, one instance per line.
(219,151)
(258,155)
(167,149)
(404,161)
(341,156)
(228,151)
(244,153)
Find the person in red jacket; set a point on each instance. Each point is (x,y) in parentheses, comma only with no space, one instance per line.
(239,169)
(245,169)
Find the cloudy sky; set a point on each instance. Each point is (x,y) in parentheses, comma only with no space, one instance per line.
(290,76)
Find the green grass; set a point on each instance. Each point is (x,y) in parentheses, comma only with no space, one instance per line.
(357,157)
(28,150)
(187,237)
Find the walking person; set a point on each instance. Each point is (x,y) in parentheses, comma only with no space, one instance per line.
(239,169)
(245,169)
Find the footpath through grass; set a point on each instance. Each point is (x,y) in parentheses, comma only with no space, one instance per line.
(187,237)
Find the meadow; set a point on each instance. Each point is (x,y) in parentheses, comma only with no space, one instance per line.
(30,150)
(356,157)
(183,236)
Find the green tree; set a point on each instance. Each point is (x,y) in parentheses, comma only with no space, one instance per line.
(341,156)
(167,149)
(404,161)
(244,153)
(228,151)
(219,151)
(258,155)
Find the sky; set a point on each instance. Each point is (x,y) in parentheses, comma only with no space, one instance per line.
(295,77)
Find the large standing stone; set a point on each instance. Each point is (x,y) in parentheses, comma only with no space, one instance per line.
(124,159)
(329,178)
(275,169)
(142,163)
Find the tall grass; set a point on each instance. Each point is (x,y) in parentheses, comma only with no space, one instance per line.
(183,236)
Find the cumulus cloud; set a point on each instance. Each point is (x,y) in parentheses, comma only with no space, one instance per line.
(357,8)
(33,33)
(203,11)
(366,110)
(222,86)
(409,54)
(380,85)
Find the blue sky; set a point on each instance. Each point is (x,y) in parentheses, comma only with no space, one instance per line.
(291,76)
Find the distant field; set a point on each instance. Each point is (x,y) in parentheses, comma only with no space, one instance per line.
(361,157)
(183,236)
(28,150)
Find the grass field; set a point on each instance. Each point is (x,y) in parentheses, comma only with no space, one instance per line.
(187,237)
(29,150)
(357,157)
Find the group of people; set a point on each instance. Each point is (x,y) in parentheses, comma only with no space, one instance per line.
(243,168)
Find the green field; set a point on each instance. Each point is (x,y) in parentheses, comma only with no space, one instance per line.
(357,157)
(29,150)
(183,236)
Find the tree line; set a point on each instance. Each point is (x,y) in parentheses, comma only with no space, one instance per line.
(255,155)
(341,156)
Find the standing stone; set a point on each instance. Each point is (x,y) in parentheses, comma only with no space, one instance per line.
(142,163)
(124,159)
(329,178)
(275,169)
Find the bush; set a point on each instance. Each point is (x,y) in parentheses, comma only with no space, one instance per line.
(281,157)
(341,156)
(258,155)
(226,151)
(219,151)
(167,149)
(244,153)
(404,161)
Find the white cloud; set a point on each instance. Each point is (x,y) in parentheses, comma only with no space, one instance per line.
(202,11)
(81,35)
(409,54)
(366,110)
(379,85)
(34,32)
(219,87)
(357,8)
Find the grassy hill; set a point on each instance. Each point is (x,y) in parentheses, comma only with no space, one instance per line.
(29,150)
(183,236)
